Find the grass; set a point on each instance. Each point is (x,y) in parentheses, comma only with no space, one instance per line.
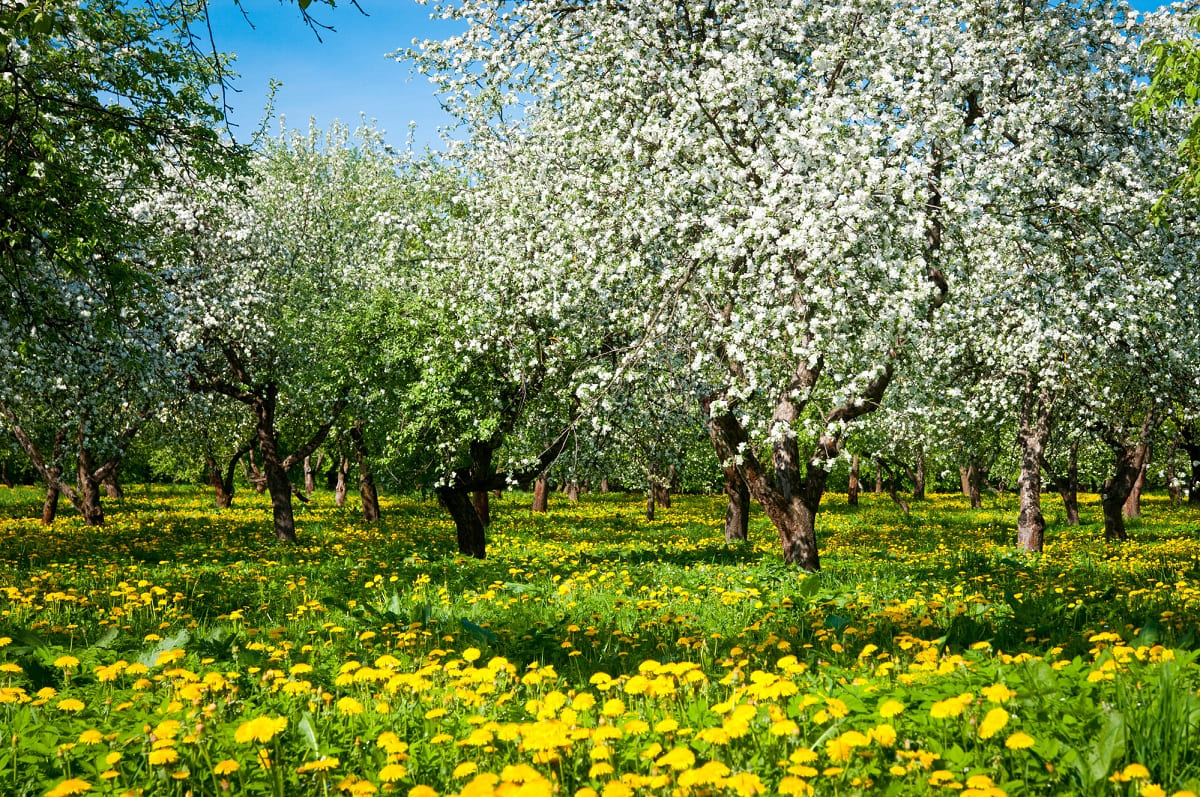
(179,650)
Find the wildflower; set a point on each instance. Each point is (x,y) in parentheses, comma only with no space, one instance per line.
(678,758)
(393,772)
(71,704)
(164,755)
(226,767)
(1019,741)
(998,693)
(70,787)
(320,765)
(464,769)
(349,706)
(66,663)
(996,719)
(260,729)
(91,736)
(422,791)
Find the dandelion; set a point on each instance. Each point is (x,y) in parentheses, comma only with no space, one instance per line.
(69,787)
(260,729)
(422,791)
(890,708)
(679,758)
(164,755)
(91,736)
(71,705)
(996,719)
(349,706)
(226,767)
(394,772)
(66,663)
(1018,741)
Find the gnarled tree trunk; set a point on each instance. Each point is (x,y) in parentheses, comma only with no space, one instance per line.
(339,485)
(366,481)
(1132,508)
(1132,455)
(737,510)
(854,487)
(541,494)
(53,491)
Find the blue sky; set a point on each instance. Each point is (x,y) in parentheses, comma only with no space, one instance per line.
(345,74)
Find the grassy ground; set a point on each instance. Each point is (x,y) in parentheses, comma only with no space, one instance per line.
(179,650)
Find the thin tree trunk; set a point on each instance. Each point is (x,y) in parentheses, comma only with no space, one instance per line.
(541,494)
(1172,475)
(853,489)
(89,492)
(918,476)
(310,479)
(573,491)
(53,491)
(878,477)
(276,482)
(650,503)
(4,477)
(366,482)
(604,485)
(339,487)
(1132,508)
(222,498)
(1031,438)
(974,484)
(964,478)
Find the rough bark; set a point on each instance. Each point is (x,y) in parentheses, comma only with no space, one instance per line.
(1067,485)
(88,501)
(1132,456)
(965,480)
(854,487)
(222,497)
(573,491)
(604,488)
(1032,434)
(918,476)
(878,477)
(112,487)
(472,540)
(53,491)
(339,485)
(541,494)
(4,477)
(1132,508)
(650,504)
(310,479)
(737,511)
(366,481)
(975,483)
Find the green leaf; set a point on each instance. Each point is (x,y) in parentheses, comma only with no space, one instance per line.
(309,732)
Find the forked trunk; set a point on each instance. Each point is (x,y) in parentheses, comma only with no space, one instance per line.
(1131,462)
(472,540)
(541,494)
(737,511)
(853,489)
(88,501)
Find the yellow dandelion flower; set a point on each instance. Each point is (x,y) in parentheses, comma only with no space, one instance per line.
(1018,741)
(349,706)
(66,662)
(745,784)
(613,708)
(471,654)
(226,767)
(678,758)
(394,772)
(998,693)
(91,736)
(260,729)
(164,755)
(71,705)
(600,769)
(996,719)
(890,708)
(464,769)
(320,765)
(1135,772)
(69,787)
(422,791)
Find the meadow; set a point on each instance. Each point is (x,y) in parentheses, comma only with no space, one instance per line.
(180,651)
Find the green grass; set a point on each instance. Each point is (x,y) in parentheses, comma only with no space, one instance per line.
(765,677)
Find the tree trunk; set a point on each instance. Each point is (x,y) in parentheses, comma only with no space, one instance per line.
(310,479)
(53,491)
(604,485)
(919,476)
(573,491)
(366,482)
(1132,458)
(650,503)
(974,483)
(964,478)
(737,511)
(339,486)
(1031,438)
(4,477)
(222,498)
(541,494)
(1172,475)
(472,541)
(854,487)
(1132,508)
(878,476)
(1070,494)
(479,499)
(276,481)
(89,493)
